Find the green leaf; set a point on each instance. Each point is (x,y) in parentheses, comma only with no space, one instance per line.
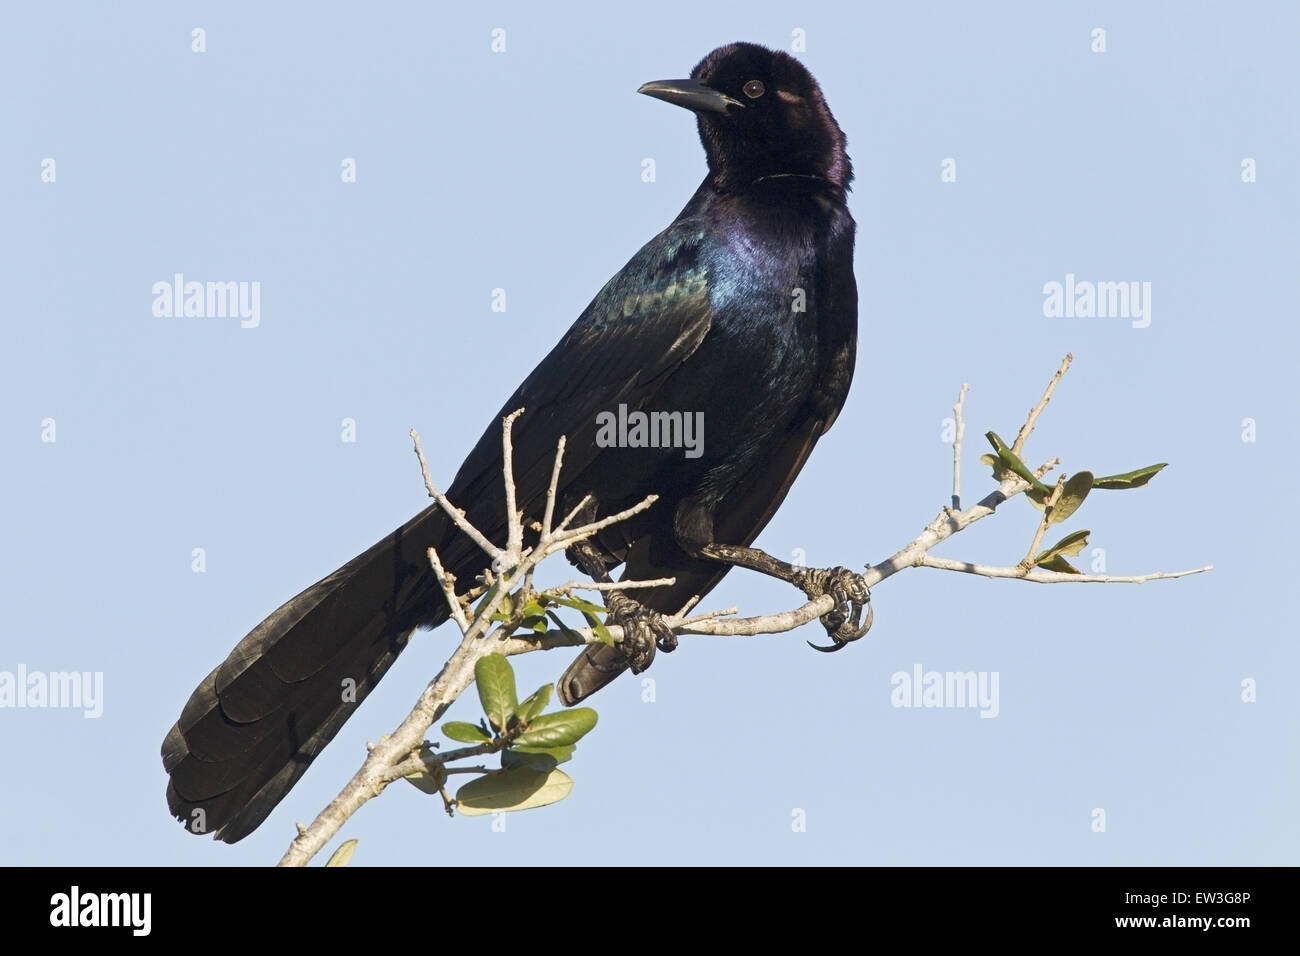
(537,762)
(466,733)
(486,599)
(505,609)
(561,754)
(578,604)
(536,758)
(1072,543)
(1130,479)
(431,782)
(535,703)
(343,855)
(598,626)
(1058,563)
(536,606)
(559,729)
(425,783)
(573,636)
(1076,488)
(496,689)
(533,616)
(1012,462)
(516,789)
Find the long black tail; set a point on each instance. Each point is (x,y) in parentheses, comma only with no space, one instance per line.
(255,724)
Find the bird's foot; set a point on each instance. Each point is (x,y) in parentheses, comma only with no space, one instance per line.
(644,630)
(850,594)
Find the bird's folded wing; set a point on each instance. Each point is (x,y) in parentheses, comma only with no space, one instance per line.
(640,327)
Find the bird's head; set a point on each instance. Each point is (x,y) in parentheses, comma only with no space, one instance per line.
(761,114)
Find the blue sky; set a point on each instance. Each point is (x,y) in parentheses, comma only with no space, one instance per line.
(522,170)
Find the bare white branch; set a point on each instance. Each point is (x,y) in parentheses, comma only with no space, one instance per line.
(448,591)
(1048,506)
(607,586)
(552,490)
(567,538)
(515,537)
(1040,576)
(1027,429)
(452,512)
(956,445)
(402,752)
(586,500)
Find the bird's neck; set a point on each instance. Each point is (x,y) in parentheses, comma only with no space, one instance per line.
(774,185)
(811,176)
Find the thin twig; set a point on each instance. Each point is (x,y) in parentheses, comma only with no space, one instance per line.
(690,603)
(515,538)
(608,585)
(1028,561)
(551,490)
(448,591)
(586,500)
(710,615)
(1039,576)
(454,513)
(956,446)
(1037,410)
(586,531)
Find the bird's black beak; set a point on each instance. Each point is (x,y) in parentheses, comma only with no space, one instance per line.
(691,94)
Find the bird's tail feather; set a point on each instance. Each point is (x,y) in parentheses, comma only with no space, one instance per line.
(593,668)
(255,724)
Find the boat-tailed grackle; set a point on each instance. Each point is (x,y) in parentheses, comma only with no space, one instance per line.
(738,321)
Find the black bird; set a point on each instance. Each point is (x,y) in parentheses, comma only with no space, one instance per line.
(742,315)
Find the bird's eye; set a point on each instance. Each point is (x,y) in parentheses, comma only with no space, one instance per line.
(754,89)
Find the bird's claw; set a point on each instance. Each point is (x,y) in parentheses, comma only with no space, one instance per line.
(851,595)
(644,630)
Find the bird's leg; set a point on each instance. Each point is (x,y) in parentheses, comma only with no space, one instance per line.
(643,629)
(848,590)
